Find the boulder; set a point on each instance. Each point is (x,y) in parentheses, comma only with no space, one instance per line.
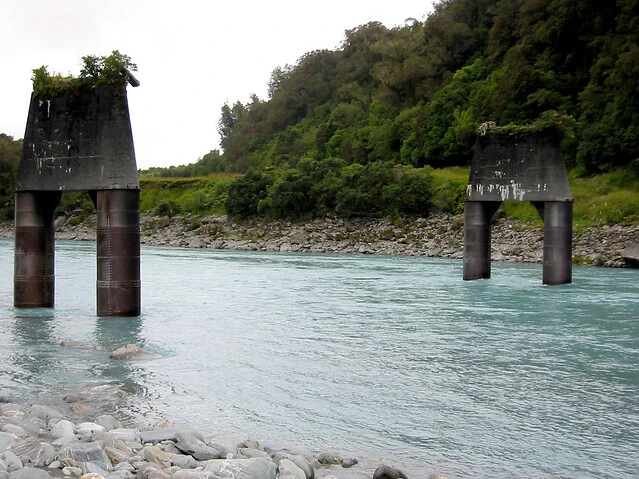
(201,451)
(82,452)
(6,440)
(132,351)
(155,455)
(388,472)
(299,461)
(329,459)
(39,454)
(62,428)
(631,255)
(287,469)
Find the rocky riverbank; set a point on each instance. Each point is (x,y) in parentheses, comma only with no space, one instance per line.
(436,236)
(39,442)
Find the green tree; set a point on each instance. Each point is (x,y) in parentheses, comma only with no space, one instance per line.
(10,151)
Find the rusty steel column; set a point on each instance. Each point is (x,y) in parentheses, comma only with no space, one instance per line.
(477,218)
(118,243)
(34,278)
(557,267)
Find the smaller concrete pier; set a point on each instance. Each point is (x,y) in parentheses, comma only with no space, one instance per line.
(527,166)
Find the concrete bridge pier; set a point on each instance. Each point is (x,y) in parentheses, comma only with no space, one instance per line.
(118,244)
(478,216)
(557,267)
(34,277)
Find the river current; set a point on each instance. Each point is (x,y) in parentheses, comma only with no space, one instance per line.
(377,358)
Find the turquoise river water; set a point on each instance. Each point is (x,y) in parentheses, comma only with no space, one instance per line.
(377,358)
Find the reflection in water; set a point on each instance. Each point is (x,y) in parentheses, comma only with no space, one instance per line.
(32,352)
(64,359)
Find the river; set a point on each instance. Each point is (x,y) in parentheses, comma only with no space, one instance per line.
(372,357)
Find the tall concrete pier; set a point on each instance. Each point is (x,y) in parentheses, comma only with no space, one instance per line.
(523,167)
(79,139)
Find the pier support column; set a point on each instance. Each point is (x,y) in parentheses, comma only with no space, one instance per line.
(557,242)
(477,218)
(34,278)
(118,243)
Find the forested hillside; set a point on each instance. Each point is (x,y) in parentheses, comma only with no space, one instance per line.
(342,129)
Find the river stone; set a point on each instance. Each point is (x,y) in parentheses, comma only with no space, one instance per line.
(92,468)
(86,452)
(329,459)
(6,440)
(168,434)
(255,468)
(16,430)
(108,422)
(30,473)
(44,412)
(155,455)
(250,452)
(131,351)
(346,463)
(63,428)
(72,471)
(195,447)
(388,472)
(12,461)
(64,440)
(88,429)
(251,444)
(299,461)
(183,461)
(39,453)
(116,456)
(121,474)
(289,470)
(124,435)
(153,473)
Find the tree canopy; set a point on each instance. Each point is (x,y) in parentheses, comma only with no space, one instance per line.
(415,94)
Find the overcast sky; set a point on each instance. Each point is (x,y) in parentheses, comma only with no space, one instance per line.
(192,56)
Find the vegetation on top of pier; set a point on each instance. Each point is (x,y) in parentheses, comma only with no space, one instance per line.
(114,69)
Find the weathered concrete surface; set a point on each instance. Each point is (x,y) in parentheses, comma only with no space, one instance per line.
(78,141)
(530,169)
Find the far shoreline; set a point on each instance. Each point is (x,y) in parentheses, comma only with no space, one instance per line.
(438,236)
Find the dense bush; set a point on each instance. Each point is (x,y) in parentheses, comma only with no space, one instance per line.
(316,188)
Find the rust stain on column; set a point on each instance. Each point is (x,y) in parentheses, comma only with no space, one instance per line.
(557,242)
(477,218)
(34,277)
(118,244)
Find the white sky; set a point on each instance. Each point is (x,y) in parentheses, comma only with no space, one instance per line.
(192,56)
